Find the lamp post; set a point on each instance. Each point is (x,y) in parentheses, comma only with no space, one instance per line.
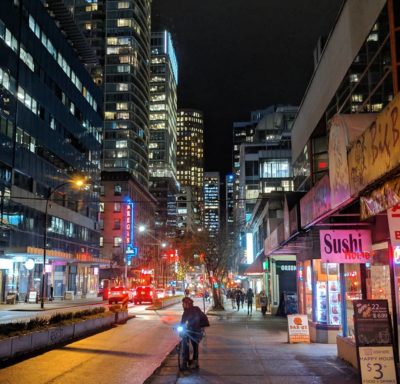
(78,183)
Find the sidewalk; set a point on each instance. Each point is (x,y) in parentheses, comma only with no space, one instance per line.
(251,349)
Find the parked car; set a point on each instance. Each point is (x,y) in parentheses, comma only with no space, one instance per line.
(119,295)
(145,294)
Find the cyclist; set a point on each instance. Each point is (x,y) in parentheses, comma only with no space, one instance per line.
(192,317)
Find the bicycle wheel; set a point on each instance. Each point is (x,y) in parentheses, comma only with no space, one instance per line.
(183,354)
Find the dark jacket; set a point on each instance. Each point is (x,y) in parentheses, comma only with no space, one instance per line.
(191,317)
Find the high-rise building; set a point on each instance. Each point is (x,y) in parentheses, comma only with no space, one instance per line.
(190,155)
(119,32)
(243,132)
(50,130)
(163,136)
(212,202)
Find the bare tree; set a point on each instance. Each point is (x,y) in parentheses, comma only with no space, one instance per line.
(216,252)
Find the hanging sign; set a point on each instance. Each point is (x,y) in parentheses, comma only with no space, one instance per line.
(345,246)
(393,215)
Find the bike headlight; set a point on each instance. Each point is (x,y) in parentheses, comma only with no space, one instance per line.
(180,328)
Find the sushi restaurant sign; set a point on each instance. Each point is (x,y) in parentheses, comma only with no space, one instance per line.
(346,246)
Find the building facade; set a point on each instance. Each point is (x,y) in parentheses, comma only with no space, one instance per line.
(347,170)
(50,130)
(163,130)
(190,156)
(212,203)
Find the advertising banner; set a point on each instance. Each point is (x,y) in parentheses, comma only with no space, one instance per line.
(380,199)
(345,246)
(393,215)
(375,152)
(298,330)
(377,365)
(343,129)
(374,341)
(316,202)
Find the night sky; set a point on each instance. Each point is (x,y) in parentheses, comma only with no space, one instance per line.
(236,56)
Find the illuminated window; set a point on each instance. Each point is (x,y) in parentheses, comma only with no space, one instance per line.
(122,106)
(121,144)
(117,207)
(122,87)
(357,98)
(124,23)
(354,78)
(123,5)
(117,241)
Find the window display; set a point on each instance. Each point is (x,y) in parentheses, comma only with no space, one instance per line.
(328,293)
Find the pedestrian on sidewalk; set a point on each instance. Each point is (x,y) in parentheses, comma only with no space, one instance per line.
(242,297)
(231,296)
(249,297)
(51,292)
(263,302)
(238,295)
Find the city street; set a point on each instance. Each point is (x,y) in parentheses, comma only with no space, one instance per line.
(237,349)
(128,353)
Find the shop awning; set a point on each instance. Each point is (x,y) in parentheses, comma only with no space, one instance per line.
(254,269)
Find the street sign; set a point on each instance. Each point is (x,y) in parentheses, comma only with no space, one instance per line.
(172,283)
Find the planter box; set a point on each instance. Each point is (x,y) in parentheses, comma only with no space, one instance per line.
(346,349)
(21,344)
(18,345)
(84,327)
(121,317)
(60,334)
(5,348)
(40,339)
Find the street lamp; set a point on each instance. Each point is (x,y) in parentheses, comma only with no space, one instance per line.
(77,182)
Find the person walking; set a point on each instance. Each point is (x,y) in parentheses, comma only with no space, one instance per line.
(238,296)
(242,297)
(249,297)
(263,302)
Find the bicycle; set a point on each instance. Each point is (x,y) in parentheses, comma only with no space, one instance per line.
(184,348)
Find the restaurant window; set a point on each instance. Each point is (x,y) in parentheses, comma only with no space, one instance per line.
(327,289)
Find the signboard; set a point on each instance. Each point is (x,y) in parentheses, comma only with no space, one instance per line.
(375,152)
(380,199)
(129,224)
(298,330)
(374,341)
(377,365)
(372,322)
(32,297)
(343,129)
(393,215)
(345,246)
(316,202)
